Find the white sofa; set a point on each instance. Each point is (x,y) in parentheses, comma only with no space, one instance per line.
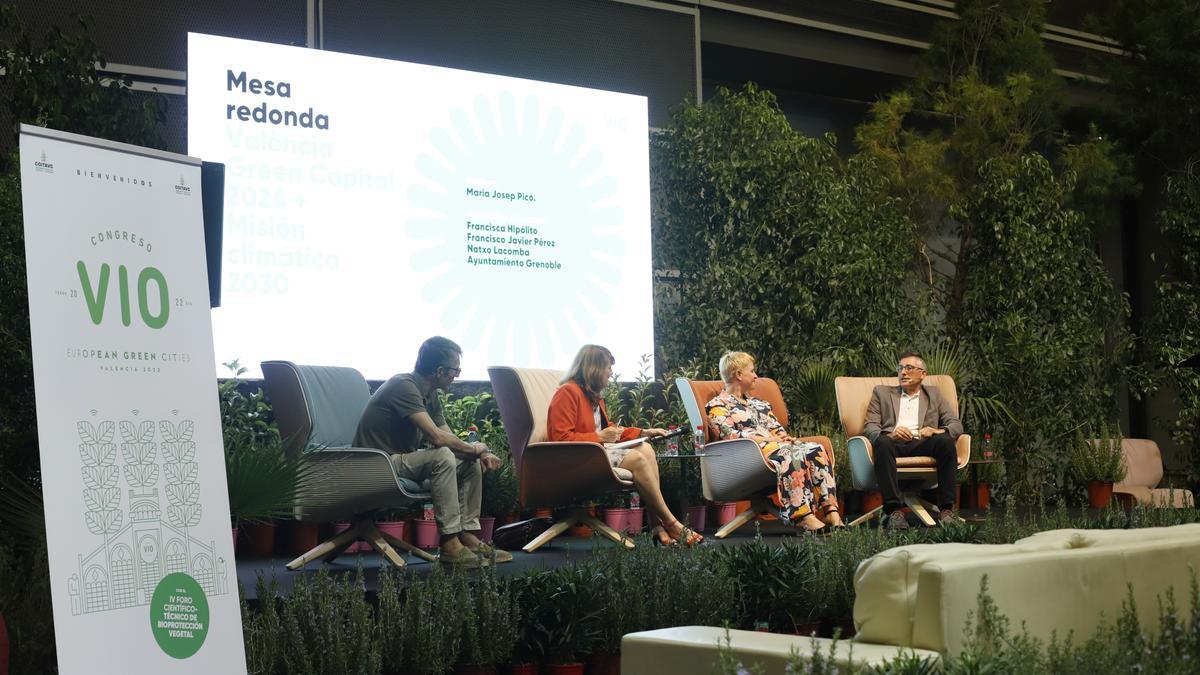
(920,597)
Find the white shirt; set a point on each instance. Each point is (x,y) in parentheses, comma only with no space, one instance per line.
(909,413)
(596,416)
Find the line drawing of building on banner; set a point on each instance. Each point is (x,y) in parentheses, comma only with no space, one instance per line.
(140,546)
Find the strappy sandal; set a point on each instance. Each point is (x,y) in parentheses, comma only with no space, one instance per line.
(661,537)
(687,536)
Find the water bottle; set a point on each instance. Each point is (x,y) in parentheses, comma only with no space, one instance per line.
(472,434)
(699,437)
(987,446)
(672,442)
(427,512)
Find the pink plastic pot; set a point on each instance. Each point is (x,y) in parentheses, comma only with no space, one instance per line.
(634,520)
(427,534)
(724,512)
(616,518)
(696,516)
(356,546)
(487,525)
(395,528)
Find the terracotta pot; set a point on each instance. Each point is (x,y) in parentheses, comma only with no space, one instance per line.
(427,534)
(982,497)
(487,525)
(510,518)
(635,520)
(3,646)
(463,669)
(723,512)
(695,517)
(562,668)
(258,539)
(531,668)
(853,499)
(543,513)
(580,530)
(742,505)
(616,518)
(300,537)
(1099,493)
(395,528)
(603,664)
(871,500)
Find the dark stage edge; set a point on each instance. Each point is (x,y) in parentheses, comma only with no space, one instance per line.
(561,551)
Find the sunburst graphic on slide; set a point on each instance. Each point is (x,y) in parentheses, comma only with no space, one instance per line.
(536,315)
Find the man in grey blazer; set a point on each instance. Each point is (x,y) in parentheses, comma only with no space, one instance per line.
(912,420)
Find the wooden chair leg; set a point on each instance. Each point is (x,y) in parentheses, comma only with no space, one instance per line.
(738,521)
(603,528)
(877,511)
(919,507)
(552,532)
(328,549)
(375,538)
(404,545)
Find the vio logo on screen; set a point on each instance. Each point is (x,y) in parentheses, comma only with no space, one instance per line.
(153,304)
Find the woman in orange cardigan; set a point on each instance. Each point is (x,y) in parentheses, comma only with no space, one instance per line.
(577,411)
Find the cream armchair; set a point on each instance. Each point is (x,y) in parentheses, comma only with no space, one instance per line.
(736,469)
(1145,470)
(552,474)
(920,473)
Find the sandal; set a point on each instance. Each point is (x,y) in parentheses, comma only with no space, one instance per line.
(661,538)
(687,536)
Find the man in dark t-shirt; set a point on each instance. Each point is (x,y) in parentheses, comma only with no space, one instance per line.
(404,417)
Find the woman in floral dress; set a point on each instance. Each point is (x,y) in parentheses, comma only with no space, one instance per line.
(805,490)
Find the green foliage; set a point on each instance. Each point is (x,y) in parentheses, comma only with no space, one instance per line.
(779,244)
(1174,331)
(50,81)
(1040,319)
(1153,92)
(25,602)
(1100,458)
(562,607)
(774,583)
(490,620)
(431,621)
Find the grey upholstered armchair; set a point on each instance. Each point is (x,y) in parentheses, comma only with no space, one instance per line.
(317,409)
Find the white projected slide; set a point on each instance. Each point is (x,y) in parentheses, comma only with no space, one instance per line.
(370,204)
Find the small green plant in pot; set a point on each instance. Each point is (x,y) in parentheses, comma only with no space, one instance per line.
(1099,463)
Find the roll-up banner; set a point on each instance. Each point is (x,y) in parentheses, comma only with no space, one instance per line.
(137,513)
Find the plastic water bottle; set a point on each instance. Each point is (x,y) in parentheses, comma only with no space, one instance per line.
(699,437)
(635,501)
(427,512)
(472,434)
(672,443)
(987,446)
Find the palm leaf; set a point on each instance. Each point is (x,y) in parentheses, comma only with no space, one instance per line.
(264,483)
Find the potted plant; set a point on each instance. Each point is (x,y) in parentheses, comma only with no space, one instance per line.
(1099,463)
(432,621)
(615,509)
(490,623)
(499,497)
(263,481)
(567,617)
(425,529)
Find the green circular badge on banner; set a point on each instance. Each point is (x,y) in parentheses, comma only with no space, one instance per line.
(179,615)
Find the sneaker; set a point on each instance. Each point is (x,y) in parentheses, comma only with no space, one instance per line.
(485,552)
(949,517)
(465,558)
(895,521)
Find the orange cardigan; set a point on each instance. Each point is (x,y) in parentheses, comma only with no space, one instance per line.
(571,417)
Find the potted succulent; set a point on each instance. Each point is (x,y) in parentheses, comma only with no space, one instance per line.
(1099,463)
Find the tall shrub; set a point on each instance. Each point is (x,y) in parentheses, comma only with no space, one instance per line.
(1039,315)
(774,245)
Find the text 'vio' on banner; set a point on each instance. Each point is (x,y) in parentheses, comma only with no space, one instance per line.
(137,512)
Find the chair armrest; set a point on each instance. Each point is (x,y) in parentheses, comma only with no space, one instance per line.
(962,446)
(862,462)
(558,473)
(736,470)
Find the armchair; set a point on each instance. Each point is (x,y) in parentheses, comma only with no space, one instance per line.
(317,409)
(920,473)
(736,470)
(552,474)
(1145,470)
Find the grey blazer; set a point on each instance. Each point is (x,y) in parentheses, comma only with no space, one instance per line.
(933,411)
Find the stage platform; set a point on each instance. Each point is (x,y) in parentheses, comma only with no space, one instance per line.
(561,551)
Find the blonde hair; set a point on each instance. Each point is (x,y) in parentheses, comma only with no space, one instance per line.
(587,370)
(732,362)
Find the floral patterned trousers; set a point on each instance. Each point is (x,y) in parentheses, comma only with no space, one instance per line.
(805,479)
